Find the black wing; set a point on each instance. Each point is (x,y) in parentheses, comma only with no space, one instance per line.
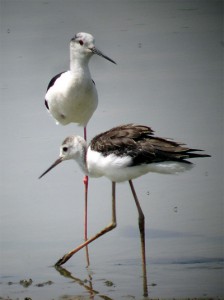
(51,83)
(139,142)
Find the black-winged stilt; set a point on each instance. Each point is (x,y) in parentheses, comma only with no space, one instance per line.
(72,96)
(122,154)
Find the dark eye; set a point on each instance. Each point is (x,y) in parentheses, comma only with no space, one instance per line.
(81,42)
(65,149)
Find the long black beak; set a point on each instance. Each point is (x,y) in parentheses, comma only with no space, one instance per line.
(58,161)
(98,52)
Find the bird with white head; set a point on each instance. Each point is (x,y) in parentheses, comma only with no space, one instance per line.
(72,97)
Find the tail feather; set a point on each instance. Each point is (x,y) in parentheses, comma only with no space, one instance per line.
(193,155)
(181,156)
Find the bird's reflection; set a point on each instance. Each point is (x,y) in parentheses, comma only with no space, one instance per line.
(86,284)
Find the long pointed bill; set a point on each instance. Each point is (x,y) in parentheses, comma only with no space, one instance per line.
(98,52)
(58,161)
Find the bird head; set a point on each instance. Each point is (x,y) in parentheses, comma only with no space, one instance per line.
(84,44)
(73,147)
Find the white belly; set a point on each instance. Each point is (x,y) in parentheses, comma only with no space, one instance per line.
(72,100)
(119,169)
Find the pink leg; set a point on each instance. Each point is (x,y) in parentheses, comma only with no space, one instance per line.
(86,181)
(141,223)
(111,226)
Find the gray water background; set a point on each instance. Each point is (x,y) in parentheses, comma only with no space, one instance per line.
(169,75)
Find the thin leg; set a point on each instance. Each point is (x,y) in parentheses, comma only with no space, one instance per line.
(141,223)
(111,226)
(85,134)
(86,181)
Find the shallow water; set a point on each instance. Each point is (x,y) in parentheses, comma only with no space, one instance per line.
(168,76)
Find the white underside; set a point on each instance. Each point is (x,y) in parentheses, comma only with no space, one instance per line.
(118,169)
(72,99)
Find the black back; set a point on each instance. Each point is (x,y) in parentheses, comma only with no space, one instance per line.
(139,142)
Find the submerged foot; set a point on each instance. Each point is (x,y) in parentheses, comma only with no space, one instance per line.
(62,260)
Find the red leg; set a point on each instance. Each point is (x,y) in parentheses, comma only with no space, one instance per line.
(86,181)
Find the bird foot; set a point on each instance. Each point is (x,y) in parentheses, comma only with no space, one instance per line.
(63,260)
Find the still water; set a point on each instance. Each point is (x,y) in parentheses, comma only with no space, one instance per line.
(168,76)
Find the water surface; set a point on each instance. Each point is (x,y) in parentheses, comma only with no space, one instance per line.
(168,76)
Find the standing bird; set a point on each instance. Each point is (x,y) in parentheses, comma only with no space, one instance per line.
(122,154)
(72,96)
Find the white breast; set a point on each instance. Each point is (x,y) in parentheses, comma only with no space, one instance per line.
(72,99)
(119,169)
(109,166)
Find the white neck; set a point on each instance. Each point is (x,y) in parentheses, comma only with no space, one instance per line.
(81,157)
(79,62)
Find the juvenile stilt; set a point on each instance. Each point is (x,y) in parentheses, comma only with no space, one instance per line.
(121,154)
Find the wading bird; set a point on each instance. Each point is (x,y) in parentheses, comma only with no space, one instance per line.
(71,96)
(122,154)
